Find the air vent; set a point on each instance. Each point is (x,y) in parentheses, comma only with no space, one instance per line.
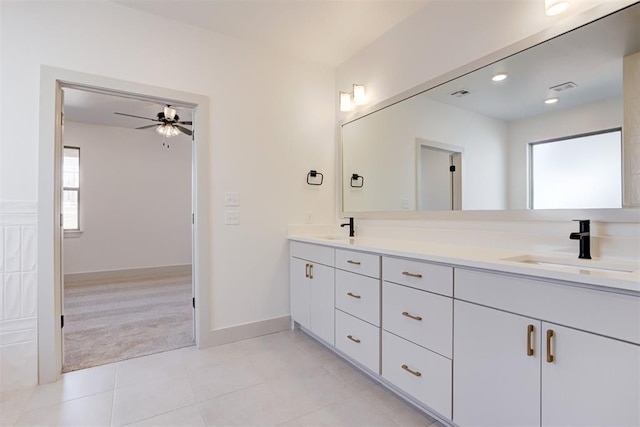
(562,87)
(460,93)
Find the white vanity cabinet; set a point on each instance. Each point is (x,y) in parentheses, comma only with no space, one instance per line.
(357,307)
(417,321)
(312,289)
(511,369)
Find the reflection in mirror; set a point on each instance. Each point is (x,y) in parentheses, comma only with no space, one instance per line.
(466,144)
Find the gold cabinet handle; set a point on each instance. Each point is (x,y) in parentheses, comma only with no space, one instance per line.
(411,316)
(550,336)
(530,332)
(310,271)
(406,273)
(416,373)
(354,262)
(306,271)
(351,294)
(355,340)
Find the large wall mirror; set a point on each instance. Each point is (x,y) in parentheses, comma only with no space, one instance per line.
(541,129)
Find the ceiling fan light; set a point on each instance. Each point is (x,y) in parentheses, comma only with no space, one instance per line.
(169,113)
(160,129)
(174,131)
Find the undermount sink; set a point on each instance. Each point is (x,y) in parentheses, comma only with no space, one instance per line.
(335,237)
(582,265)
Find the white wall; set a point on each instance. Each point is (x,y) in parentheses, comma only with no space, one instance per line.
(135,205)
(382,148)
(271,121)
(600,115)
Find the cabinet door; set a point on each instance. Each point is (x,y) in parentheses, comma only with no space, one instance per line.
(495,381)
(322,292)
(592,380)
(300,291)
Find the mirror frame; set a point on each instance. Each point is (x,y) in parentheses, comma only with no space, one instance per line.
(624,215)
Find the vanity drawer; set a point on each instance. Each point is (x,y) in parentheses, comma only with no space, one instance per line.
(419,275)
(430,381)
(358,295)
(418,316)
(606,313)
(316,253)
(358,340)
(358,262)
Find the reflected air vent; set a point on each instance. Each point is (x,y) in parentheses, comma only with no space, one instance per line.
(460,93)
(562,87)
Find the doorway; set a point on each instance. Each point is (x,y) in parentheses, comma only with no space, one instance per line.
(438,176)
(127,245)
(50,232)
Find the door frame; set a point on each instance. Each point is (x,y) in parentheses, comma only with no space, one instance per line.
(50,236)
(456,186)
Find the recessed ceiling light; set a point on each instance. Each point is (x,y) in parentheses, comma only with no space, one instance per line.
(555,7)
(551,101)
(499,77)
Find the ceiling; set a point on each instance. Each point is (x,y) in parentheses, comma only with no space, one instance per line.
(326,32)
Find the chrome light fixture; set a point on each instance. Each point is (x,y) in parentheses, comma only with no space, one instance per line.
(555,7)
(356,97)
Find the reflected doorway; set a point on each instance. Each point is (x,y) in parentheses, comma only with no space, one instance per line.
(438,176)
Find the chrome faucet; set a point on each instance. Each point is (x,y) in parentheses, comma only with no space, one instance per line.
(584,235)
(352,231)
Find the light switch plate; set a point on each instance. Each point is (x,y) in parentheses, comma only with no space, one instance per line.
(232,199)
(232,217)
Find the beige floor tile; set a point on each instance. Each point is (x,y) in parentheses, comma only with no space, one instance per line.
(216,380)
(150,368)
(309,391)
(140,401)
(255,406)
(275,362)
(345,371)
(395,408)
(352,412)
(184,417)
(86,411)
(74,385)
(273,342)
(292,423)
(194,358)
(12,404)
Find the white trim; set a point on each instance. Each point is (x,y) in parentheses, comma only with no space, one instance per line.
(126,275)
(248,330)
(49,231)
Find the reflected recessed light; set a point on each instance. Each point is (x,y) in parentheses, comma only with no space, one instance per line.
(551,101)
(499,77)
(555,7)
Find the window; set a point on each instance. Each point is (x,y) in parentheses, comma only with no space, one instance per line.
(581,171)
(71,188)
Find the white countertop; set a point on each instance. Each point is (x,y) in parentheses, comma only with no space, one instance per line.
(491,259)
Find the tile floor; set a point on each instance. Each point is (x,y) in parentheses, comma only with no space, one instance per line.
(284,379)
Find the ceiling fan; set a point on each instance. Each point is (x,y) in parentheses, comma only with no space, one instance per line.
(167,122)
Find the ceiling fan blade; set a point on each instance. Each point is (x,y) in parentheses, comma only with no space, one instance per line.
(139,117)
(185,123)
(184,130)
(147,127)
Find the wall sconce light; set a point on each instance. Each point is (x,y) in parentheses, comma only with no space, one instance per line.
(555,7)
(356,97)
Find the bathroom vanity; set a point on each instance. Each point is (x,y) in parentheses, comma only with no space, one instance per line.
(477,337)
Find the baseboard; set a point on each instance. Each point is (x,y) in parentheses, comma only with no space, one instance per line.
(115,276)
(243,332)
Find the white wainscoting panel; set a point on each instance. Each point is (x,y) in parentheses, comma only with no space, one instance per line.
(18,295)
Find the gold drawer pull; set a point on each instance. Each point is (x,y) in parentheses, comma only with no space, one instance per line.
(353,295)
(406,273)
(530,331)
(355,340)
(306,271)
(310,271)
(354,262)
(416,373)
(550,356)
(411,316)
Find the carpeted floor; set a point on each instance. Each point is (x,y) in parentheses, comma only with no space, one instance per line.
(109,322)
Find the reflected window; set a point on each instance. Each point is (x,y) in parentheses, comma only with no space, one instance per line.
(577,172)
(71,188)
